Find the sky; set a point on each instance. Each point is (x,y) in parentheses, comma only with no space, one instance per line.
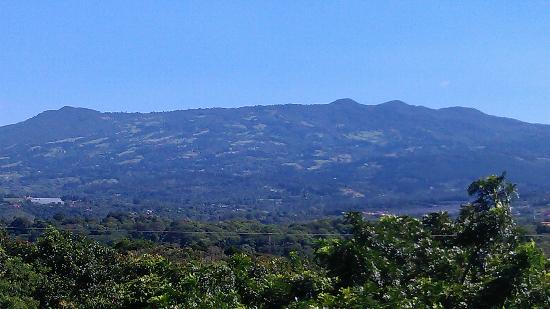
(166,55)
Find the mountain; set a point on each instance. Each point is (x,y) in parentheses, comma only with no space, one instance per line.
(337,154)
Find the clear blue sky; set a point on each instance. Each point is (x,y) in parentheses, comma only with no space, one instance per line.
(165,55)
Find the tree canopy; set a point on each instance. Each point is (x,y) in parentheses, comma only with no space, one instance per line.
(477,260)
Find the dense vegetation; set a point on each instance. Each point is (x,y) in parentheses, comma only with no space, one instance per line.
(143,231)
(477,260)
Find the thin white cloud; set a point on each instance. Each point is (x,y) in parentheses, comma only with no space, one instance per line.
(444,83)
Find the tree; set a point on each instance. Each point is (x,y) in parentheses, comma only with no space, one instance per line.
(486,224)
(477,261)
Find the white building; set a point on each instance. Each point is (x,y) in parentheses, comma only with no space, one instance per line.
(46,200)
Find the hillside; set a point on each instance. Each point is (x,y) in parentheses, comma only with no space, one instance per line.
(337,154)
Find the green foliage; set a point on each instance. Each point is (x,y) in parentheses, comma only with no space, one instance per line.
(18,283)
(401,262)
(474,261)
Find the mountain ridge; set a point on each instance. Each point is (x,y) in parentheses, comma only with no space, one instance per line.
(68,109)
(345,101)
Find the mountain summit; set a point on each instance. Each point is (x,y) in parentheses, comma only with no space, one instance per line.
(345,101)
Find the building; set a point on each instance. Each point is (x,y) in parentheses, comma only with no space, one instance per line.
(46,200)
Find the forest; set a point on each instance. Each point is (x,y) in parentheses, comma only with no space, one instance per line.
(480,258)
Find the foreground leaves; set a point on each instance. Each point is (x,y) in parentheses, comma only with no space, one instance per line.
(477,260)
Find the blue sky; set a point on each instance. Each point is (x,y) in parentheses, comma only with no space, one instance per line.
(165,55)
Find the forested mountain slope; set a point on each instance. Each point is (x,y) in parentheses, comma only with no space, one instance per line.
(294,155)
